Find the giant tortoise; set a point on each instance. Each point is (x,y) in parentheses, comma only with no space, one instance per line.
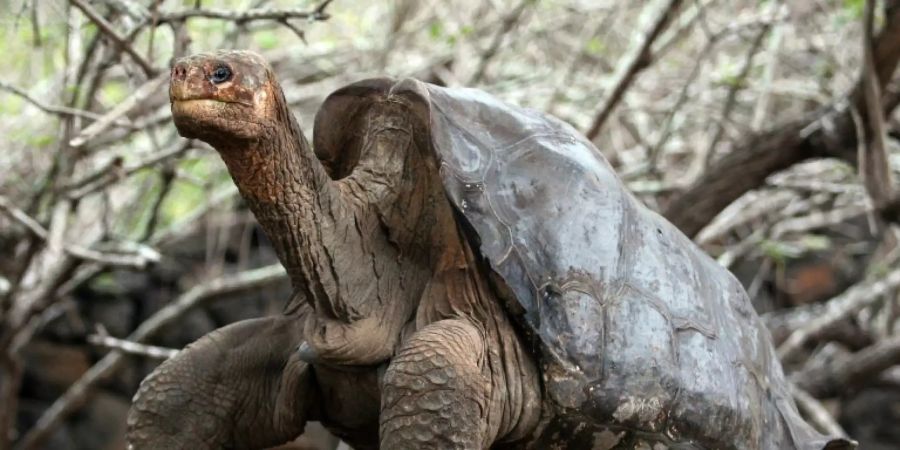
(467,274)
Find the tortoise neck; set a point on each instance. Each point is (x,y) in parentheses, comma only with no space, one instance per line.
(287,189)
(278,171)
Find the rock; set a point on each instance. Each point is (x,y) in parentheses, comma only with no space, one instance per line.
(50,368)
(872,417)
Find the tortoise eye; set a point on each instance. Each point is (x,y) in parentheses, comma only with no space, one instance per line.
(220,75)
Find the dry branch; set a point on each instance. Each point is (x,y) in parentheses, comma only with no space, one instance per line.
(827,132)
(115,115)
(816,412)
(874,166)
(762,103)
(196,296)
(120,41)
(850,371)
(131,348)
(114,171)
(849,302)
(249,15)
(136,260)
(506,25)
(736,85)
(636,61)
(64,111)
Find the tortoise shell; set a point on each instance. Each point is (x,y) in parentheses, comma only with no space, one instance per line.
(641,335)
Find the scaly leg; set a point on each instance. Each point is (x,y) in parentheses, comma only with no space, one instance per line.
(239,387)
(435,395)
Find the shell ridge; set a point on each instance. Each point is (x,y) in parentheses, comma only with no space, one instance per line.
(662,279)
(463,130)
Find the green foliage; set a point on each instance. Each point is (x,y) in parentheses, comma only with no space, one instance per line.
(436,30)
(878,270)
(780,251)
(266,39)
(855,8)
(594,46)
(114,92)
(783,251)
(730,77)
(182,199)
(34,138)
(185,196)
(10,104)
(815,242)
(105,282)
(438,33)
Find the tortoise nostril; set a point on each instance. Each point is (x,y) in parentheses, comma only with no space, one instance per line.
(179,72)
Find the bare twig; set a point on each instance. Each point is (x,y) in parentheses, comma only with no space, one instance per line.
(137,260)
(654,152)
(58,110)
(249,15)
(816,412)
(636,61)
(827,132)
(705,53)
(811,185)
(735,85)
(196,296)
(852,370)
(577,61)
(819,219)
(506,25)
(14,213)
(850,301)
(762,102)
(167,181)
(873,159)
(115,115)
(131,348)
(113,171)
(891,376)
(134,10)
(686,23)
(118,39)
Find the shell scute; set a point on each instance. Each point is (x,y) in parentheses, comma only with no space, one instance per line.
(642,336)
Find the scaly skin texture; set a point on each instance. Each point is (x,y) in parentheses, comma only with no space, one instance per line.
(390,309)
(198,399)
(434,390)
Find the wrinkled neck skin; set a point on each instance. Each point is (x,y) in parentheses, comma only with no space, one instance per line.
(379,255)
(358,250)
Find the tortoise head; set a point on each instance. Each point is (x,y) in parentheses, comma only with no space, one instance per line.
(224,95)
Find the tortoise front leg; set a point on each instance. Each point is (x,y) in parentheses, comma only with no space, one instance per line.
(239,387)
(435,395)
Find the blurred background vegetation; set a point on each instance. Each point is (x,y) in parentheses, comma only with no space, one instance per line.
(738,120)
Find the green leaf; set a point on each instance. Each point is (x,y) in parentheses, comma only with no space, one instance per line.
(855,8)
(114,92)
(435,30)
(815,242)
(594,46)
(780,251)
(105,282)
(266,39)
